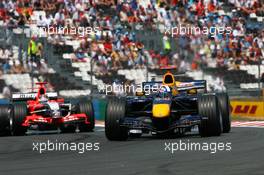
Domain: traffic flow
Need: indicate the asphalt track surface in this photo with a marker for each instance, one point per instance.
(146, 155)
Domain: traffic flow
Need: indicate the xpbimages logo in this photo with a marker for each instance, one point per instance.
(72, 31)
(212, 147)
(132, 89)
(190, 30)
(51, 146)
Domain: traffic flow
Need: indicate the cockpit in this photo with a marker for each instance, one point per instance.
(168, 79)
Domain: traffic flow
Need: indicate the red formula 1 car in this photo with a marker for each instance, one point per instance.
(45, 110)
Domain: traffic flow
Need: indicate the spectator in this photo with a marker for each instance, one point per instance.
(39, 53)
(60, 18)
(114, 48)
(32, 49)
(42, 22)
(6, 92)
(6, 67)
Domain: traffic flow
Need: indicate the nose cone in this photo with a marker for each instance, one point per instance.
(160, 110)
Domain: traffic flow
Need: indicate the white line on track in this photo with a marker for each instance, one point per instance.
(252, 124)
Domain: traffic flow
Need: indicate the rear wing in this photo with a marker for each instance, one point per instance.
(194, 84)
(181, 86)
(32, 96)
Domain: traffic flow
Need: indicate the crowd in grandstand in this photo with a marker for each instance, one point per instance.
(113, 47)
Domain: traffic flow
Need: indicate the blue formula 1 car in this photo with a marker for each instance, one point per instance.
(175, 108)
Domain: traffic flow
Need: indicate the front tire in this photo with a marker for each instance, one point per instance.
(4, 120)
(115, 112)
(211, 125)
(18, 114)
(87, 108)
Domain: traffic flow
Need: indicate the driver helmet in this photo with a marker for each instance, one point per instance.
(164, 89)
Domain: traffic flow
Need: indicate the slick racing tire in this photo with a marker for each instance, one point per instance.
(18, 114)
(67, 128)
(208, 109)
(224, 106)
(4, 120)
(115, 112)
(86, 108)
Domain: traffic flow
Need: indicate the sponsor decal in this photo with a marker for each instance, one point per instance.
(247, 108)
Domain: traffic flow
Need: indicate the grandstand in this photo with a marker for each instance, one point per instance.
(130, 44)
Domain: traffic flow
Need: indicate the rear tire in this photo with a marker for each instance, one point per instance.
(18, 114)
(208, 108)
(224, 105)
(4, 120)
(87, 108)
(115, 112)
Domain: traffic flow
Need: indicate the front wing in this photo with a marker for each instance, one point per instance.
(144, 123)
(70, 119)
